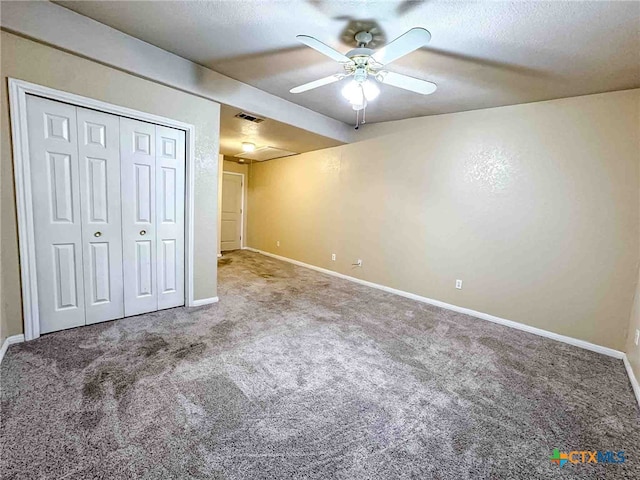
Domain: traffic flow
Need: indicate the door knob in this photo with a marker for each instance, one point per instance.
(143, 232)
(97, 234)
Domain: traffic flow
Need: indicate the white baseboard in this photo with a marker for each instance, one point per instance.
(10, 341)
(204, 301)
(484, 316)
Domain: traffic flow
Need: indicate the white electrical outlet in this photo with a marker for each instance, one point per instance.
(357, 264)
(637, 337)
(459, 284)
(333, 257)
(278, 243)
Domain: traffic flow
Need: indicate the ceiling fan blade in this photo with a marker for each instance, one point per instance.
(317, 83)
(322, 48)
(404, 44)
(406, 82)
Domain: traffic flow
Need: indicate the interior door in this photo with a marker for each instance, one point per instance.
(231, 212)
(138, 185)
(170, 174)
(99, 173)
(53, 151)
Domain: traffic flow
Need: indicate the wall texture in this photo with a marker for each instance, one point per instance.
(633, 350)
(27, 60)
(535, 207)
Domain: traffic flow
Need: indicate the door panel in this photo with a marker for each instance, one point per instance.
(97, 189)
(53, 151)
(60, 184)
(138, 182)
(168, 261)
(143, 193)
(144, 268)
(100, 274)
(170, 177)
(65, 276)
(99, 161)
(230, 236)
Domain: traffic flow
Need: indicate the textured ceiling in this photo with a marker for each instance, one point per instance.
(269, 133)
(482, 54)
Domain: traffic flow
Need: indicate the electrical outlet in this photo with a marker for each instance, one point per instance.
(459, 284)
(333, 257)
(637, 337)
(358, 263)
(278, 243)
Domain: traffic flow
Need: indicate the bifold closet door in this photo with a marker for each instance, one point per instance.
(138, 183)
(153, 176)
(108, 202)
(99, 173)
(75, 171)
(170, 180)
(55, 193)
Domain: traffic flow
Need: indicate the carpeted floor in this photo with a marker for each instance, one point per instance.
(295, 374)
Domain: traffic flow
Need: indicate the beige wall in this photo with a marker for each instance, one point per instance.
(633, 351)
(535, 207)
(37, 63)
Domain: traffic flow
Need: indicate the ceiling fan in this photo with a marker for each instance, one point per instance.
(367, 67)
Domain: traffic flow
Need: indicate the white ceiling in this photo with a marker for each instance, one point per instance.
(482, 54)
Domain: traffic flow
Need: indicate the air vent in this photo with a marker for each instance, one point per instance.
(249, 117)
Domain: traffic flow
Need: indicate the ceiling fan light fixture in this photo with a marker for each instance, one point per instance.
(248, 146)
(353, 93)
(371, 90)
(359, 93)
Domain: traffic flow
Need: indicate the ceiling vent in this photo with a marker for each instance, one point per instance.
(249, 117)
(265, 153)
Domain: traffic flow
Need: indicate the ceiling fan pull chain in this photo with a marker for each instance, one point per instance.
(364, 105)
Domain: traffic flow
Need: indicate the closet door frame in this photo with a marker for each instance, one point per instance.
(18, 91)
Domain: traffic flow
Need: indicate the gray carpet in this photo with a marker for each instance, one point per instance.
(295, 374)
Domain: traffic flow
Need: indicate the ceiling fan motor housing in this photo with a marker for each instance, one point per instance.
(360, 52)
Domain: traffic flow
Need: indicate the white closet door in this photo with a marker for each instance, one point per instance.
(170, 172)
(99, 169)
(53, 151)
(138, 185)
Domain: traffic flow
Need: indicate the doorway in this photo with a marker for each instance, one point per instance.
(232, 211)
